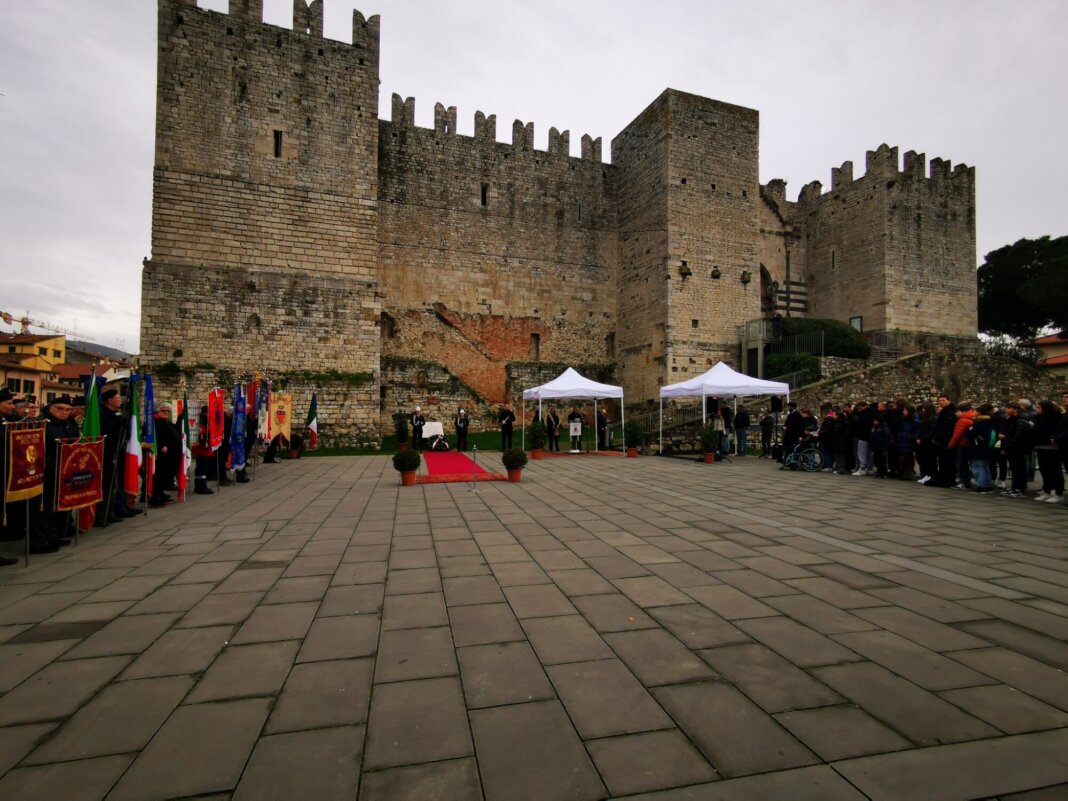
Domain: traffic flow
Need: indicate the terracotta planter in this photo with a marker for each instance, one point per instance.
(535, 454)
(709, 458)
(632, 453)
(515, 475)
(408, 478)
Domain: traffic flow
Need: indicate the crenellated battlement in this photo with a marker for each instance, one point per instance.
(403, 115)
(307, 19)
(883, 164)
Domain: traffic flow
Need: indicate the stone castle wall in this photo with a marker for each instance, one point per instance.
(294, 232)
(492, 252)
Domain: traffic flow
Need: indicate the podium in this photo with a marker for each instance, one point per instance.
(575, 429)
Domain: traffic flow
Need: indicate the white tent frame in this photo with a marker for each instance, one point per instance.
(705, 385)
(580, 388)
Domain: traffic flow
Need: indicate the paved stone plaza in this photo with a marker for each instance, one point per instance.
(608, 627)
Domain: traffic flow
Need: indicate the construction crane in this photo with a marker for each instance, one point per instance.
(25, 322)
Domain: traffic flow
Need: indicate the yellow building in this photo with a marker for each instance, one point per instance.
(27, 361)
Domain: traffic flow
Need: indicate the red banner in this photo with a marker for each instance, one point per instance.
(80, 474)
(215, 418)
(25, 463)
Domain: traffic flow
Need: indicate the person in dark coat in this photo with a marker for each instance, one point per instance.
(168, 456)
(1015, 440)
(904, 439)
(418, 421)
(48, 527)
(552, 428)
(842, 442)
(114, 426)
(462, 423)
(1047, 421)
(792, 429)
(506, 419)
(945, 422)
(742, 421)
(767, 426)
(13, 530)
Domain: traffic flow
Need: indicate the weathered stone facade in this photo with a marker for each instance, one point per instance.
(295, 232)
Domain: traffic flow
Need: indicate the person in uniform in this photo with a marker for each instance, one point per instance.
(552, 428)
(26, 407)
(48, 526)
(462, 424)
(14, 528)
(114, 427)
(168, 456)
(418, 421)
(506, 418)
(602, 429)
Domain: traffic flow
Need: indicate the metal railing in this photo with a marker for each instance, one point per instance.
(676, 415)
(808, 342)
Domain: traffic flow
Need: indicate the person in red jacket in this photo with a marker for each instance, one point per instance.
(958, 442)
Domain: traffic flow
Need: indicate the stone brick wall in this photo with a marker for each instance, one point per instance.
(493, 252)
(924, 376)
(894, 247)
(713, 223)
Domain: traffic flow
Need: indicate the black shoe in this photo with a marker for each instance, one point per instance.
(100, 523)
(127, 513)
(270, 461)
(243, 479)
(62, 542)
(45, 547)
(5, 562)
(203, 491)
(158, 504)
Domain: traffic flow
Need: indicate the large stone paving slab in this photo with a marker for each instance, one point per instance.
(658, 630)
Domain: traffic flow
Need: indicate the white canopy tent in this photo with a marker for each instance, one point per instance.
(719, 382)
(569, 385)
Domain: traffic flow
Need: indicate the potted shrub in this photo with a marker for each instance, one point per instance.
(514, 461)
(537, 438)
(296, 446)
(632, 437)
(406, 462)
(400, 430)
(710, 442)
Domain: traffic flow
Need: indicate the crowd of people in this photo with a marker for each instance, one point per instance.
(981, 448)
(64, 417)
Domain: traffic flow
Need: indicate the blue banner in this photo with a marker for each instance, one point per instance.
(237, 431)
(148, 428)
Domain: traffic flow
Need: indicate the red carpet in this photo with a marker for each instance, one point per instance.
(438, 463)
(453, 467)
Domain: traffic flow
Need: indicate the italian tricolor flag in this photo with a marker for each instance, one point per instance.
(132, 466)
(313, 423)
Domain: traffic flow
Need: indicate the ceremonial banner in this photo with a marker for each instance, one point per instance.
(131, 481)
(263, 412)
(216, 423)
(187, 454)
(281, 415)
(312, 424)
(237, 432)
(148, 435)
(90, 433)
(25, 463)
(81, 469)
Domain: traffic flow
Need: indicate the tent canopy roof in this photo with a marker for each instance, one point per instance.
(571, 384)
(722, 381)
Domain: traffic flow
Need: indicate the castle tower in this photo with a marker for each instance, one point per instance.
(264, 214)
(688, 194)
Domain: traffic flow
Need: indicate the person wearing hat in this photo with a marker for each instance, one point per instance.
(7, 415)
(49, 527)
(462, 425)
(506, 419)
(168, 454)
(418, 421)
(26, 407)
(114, 425)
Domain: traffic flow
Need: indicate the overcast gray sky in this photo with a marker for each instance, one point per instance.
(976, 81)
